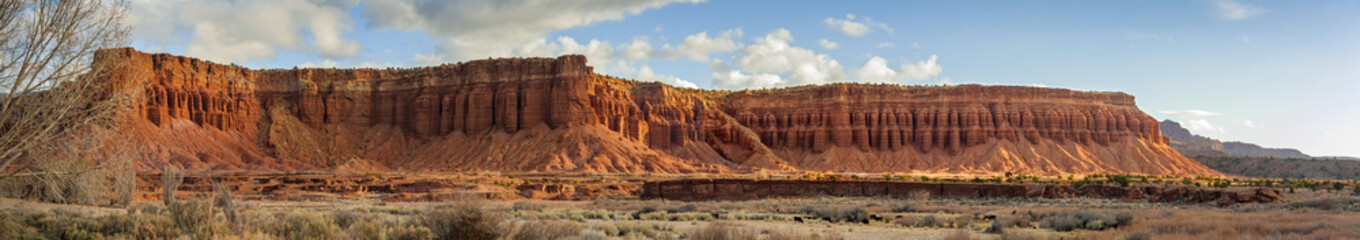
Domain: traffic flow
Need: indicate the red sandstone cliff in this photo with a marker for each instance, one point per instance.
(556, 115)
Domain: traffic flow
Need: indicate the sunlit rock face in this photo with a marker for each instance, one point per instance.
(556, 115)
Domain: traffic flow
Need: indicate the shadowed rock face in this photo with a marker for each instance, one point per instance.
(746, 189)
(556, 115)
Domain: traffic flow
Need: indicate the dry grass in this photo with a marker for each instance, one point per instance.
(655, 219)
(723, 231)
(1213, 224)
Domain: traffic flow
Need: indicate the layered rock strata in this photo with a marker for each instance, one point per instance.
(556, 115)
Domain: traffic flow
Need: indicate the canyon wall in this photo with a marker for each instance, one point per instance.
(556, 115)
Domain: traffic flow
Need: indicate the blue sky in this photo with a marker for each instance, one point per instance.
(1276, 73)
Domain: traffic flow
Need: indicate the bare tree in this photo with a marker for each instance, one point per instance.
(56, 107)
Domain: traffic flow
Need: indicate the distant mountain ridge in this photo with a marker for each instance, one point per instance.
(1251, 160)
(1190, 144)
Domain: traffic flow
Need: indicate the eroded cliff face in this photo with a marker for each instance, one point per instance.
(556, 115)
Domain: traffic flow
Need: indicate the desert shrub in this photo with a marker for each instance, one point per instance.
(146, 207)
(544, 230)
(804, 236)
(1021, 235)
(961, 221)
(14, 230)
(462, 220)
(1328, 203)
(189, 215)
(528, 206)
(67, 180)
(138, 226)
(997, 227)
(1062, 222)
(929, 220)
(855, 214)
(722, 231)
(346, 218)
(377, 230)
(959, 235)
(309, 225)
(1085, 219)
(591, 234)
(1137, 236)
(65, 226)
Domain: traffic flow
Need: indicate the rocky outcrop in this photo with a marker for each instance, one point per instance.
(748, 189)
(1190, 144)
(556, 115)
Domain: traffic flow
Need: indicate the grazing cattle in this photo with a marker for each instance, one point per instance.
(989, 217)
(798, 219)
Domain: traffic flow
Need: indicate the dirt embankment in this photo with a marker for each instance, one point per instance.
(746, 189)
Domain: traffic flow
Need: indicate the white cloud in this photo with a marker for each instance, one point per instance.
(1190, 112)
(855, 28)
(480, 29)
(877, 71)
(1248, 123)
(639, 49)
(772, 54)
(885, 45)
(828, 44)
(724, 77)
(646, 74)
(245, 30)
(1202, 125)
(324, 64)
(1235, 11)
(699, 46)
(915, 45)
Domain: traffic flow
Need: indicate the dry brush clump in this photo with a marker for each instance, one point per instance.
(463, 219)
(723, 231)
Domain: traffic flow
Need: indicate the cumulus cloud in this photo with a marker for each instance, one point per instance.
(1235, 11)
(1248, 123)
(699, 46)
(1190, 112)
(828, 44)
(646, 74)
(480, 29)
(724, 77)
(851, 27)
(324, 64)
(1202, 125)
(244, 30)
(772, 54)
(877, 71)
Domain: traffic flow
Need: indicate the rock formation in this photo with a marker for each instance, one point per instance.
(1190, 144)
(747, 189)
(556, 115)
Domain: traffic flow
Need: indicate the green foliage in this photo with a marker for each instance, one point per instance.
(1122, 180)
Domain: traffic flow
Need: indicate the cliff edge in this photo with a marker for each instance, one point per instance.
(556, 115)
